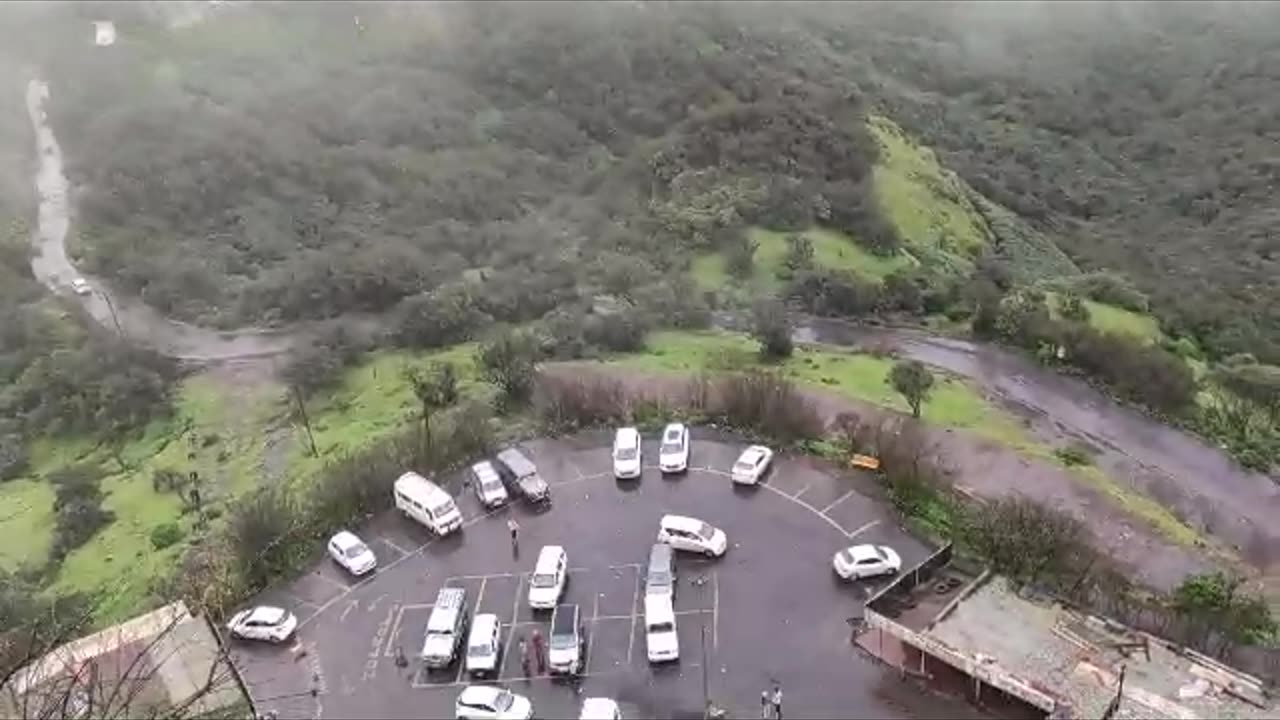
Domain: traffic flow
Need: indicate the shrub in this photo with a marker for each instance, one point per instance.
(570, 403)
(1109, 288)
(764, 403)
(1074, 455)
(1027, 541)
(13, 456)
(78, 507)
(772, 328)
(507, 360)
(165, 535)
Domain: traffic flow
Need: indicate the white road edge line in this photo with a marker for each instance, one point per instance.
(595, 615)
(863, 529)
(838, 500)
(715, 609)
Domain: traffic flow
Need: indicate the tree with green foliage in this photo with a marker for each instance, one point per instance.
(912, 380)
(740, 252)
(508, 359)
(772, 328)
(435, 386)
(1215, 604)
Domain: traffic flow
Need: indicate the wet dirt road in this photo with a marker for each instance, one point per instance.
(129, 316)
(1198, 482)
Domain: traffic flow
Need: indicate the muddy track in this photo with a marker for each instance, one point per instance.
(1198, 482)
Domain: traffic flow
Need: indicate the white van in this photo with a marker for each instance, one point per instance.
(660, 629)
(626, 454)
(426, 502)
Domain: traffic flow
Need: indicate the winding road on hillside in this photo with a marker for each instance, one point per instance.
(1198, 482)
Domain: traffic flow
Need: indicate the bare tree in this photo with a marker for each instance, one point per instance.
(121, 672)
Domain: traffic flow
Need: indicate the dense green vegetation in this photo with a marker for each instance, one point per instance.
(507, 184)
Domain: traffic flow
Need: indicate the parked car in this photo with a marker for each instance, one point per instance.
(488, 485)
(427, 503)
(486, 702)
(567, 654)
(520, 472)
(352, 554)
(662, 643)
(446, 628)
(673, 454)
(692, 535)
(550, 573)
(600, 708)
(80, 286)
(264, 622)
(752, 464)
(484, 646)
(863, 561)
(627, 455)
(660, 573)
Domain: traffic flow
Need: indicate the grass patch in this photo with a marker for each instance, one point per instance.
(1112, 319)
(373, 400)
(1140, 506)
(831, 249)
(26, 522)
(953, 404)
(926, 202)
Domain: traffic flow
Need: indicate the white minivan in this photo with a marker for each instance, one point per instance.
(426, 502)
(626, 454)
(660, 629)
(484, 646)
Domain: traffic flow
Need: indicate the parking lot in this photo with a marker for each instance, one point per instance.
(771, 610)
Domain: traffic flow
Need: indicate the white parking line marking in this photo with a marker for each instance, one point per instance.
(393, 546)
(807, 506)
(631, 637)
(295, 598)
(354, 604)
(863, 529)
(480, 595)
(797, 495)
(394, 636)
(715, 609)
(591, 636)
(511, 631)
(837, 502)
(482, 577)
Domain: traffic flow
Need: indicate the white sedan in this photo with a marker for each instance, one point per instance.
(752, 464)
(485, 702)
(80, 286)
(692, 535)
(673, 454)
(863, 561)
(263, 622)
(351, 553)
(600, 708)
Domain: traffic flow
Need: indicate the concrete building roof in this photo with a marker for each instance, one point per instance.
(1076, 659)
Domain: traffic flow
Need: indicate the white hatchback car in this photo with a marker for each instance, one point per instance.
(271, 624)
(752, 464)
(673, 454)
(351, 553)
(485, 702)
(863, 561)
(627, 454)
(692, 535)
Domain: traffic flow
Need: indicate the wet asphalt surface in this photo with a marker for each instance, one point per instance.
(771, 609)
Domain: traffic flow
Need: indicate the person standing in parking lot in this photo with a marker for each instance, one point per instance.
(538, 651)
(524, 657)
(777, 702)
(514, 527)
(766, 707)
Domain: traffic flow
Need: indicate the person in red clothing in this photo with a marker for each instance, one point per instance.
(538, 652)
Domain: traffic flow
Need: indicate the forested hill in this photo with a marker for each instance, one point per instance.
(1144, 134)
(290, 161)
